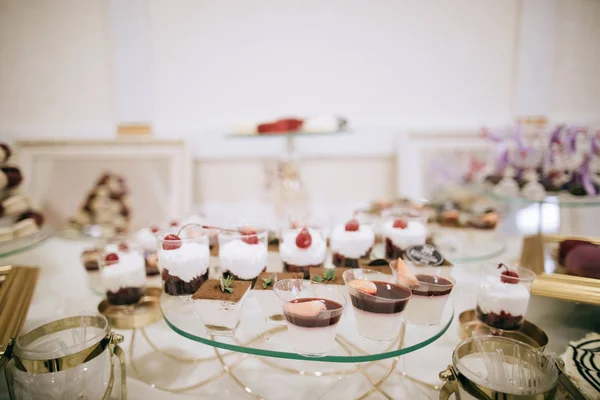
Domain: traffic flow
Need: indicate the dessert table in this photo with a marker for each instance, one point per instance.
(170, 361)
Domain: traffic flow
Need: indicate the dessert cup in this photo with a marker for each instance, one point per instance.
(302, 248)
(378, 312)
(122, 273)
(352, 242)
(220, 311)
(243, 253)
(269, 304)
(428, 299)
(146, 238)
(312, 312)
(402, 228)
(504, 294)
(183, 261)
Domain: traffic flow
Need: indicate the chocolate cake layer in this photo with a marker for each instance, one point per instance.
(380, 303)
(319, 321)
(305, 269)
(392, 252)
(176, 287)
(125, 296)
(428, 286)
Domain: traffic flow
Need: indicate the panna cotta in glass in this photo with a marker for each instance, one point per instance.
(504, 295)
(312, 312)
(218, 303)
(301, 249)
(403, 228)
(378, 303)
(122, 273)
(243, 253)
(351, 242)
(269, 304)
(183, 259)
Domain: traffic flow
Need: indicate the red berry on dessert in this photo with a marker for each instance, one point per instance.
(400, 224)
(174, 224)
(154, 229)
(303, 240)
(171, 242)
(352, 226)
(364, 286)
(249, 236)
(111, 258)
(123, 246)
(508, 276)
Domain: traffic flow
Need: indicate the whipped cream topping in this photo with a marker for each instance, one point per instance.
(145, 239)
(414, 234)
(244, 260)
(130, 271)
(292, 254)
(187, 262)
(352, 244)
(496, 296)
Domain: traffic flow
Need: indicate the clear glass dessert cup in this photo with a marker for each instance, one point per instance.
(429, 299)
(312, 312)
(243, 252)
(122, 272)
(504, 294)
(403, 227)
(378, 315)
(183, 259)
(302, 248)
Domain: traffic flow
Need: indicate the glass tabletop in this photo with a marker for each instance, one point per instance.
(255, 336)
(22, 244)
(566, 200)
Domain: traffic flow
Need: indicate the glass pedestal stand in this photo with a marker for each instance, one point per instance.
(259, 362)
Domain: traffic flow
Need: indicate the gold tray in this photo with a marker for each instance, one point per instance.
(143, 313)
(550, 282)
(529, 333)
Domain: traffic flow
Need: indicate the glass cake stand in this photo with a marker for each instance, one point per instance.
(25, 243)
(467, 245)
(364, 366)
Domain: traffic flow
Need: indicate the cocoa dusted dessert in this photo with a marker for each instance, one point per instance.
(328, 276)
(302, 249)
(219, 304)
(350, 243)
(10, 177)
(267, 300)
(184, 263)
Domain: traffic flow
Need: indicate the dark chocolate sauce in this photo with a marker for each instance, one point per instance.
(331, 318)
(429, 286)
(380, 302)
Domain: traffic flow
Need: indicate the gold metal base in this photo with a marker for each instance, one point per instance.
(529, 333)
(141, 314)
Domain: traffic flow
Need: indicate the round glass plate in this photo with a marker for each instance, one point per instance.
(22, 244)
(566, 200)
(255, 336)
(466, 245)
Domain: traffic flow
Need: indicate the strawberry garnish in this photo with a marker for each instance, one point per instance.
(171, 242)
(363, 285)
(154, 229)
(400, 224)
(352, 226)
(508, 276)
(303, 240)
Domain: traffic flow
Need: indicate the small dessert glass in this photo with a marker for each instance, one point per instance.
(183, 260)
(504, 294)
(428, 299)
(378, 316)
(403, 227)
(352, 241)
(122, 272)
(312, 332)
(243, 252)
(302, 248)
